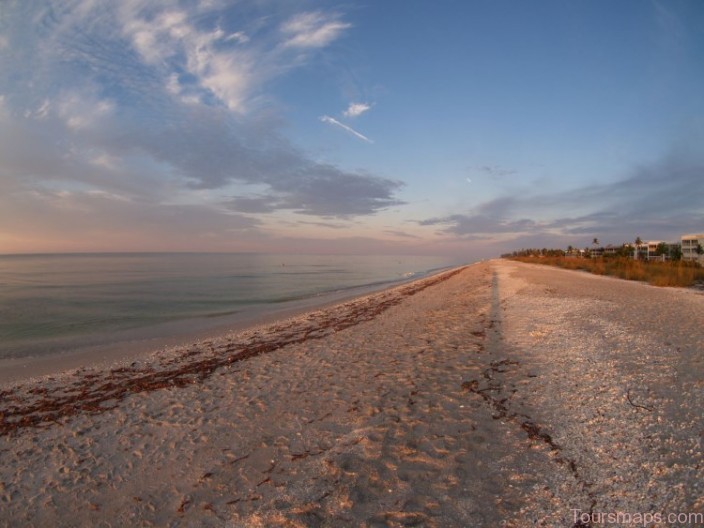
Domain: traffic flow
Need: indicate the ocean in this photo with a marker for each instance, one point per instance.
(53, 304)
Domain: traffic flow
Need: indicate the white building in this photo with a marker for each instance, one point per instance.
(640, 251)
(653, 248)
(690, 245)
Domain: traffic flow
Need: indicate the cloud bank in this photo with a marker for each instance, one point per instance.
(159, 111)
(660, 200)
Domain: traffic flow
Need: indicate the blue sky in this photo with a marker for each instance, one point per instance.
(458, 128)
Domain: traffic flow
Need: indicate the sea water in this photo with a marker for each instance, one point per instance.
(53, 303)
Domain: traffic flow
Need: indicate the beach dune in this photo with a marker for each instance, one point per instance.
(494, 393)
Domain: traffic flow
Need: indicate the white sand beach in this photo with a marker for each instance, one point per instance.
(495, 393)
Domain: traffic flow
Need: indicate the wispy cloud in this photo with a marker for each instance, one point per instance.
(327, 225)
(401, 234)
(211, 61)
(356, 109)
(312, 30)
(239, 36)
(207, 51)
(494, 171)
(333, 121)
(473, 224)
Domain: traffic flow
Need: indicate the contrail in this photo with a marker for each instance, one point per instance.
(333, 121)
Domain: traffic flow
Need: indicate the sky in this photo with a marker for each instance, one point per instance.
(461, 128)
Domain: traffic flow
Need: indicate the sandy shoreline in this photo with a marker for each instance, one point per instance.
(493, 393)
(69, 391)
(135, 345)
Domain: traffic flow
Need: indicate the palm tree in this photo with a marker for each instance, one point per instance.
(595, 243)
(635, 251)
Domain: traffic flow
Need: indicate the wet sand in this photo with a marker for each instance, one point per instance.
(496, 393)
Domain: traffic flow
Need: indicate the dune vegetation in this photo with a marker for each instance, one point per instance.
(668, 273)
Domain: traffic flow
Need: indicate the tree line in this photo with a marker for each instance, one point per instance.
(670, 251)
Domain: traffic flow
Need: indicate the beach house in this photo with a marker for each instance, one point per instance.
(693, 247)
